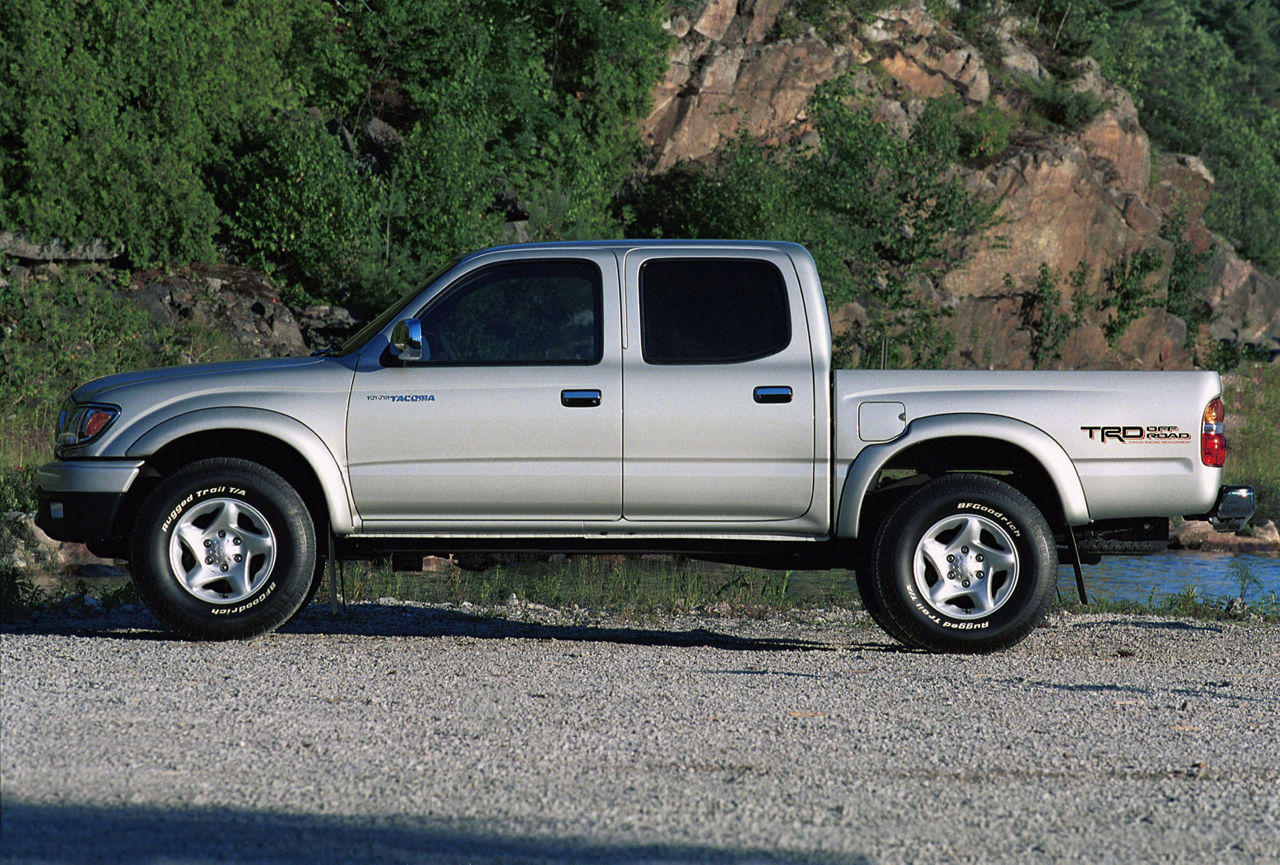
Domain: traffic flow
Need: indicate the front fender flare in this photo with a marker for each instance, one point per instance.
(288, 430)
(1042, 447)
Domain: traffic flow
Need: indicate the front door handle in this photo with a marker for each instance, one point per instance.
(580, 398)
(773, 394)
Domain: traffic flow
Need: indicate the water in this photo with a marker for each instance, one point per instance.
(1146, 578)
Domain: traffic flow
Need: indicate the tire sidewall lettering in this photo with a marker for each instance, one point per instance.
(261, 596)
(983, 510)
(225, 490)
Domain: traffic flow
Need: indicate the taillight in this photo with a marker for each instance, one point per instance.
(1213, 444)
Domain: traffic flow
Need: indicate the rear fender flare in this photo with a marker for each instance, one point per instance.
(1042, 447)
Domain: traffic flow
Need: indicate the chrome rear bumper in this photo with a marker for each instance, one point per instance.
(1232, 511)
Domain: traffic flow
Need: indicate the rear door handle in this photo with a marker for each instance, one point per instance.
(768, 394)
(580, 398)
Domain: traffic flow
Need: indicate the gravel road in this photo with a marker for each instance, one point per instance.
(408, 733)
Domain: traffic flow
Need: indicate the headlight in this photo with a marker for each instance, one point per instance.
(78, 424)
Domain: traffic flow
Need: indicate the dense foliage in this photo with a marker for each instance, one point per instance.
(112, 115)
(173, 126)
(349, 148)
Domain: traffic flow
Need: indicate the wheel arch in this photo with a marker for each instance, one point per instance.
(268, 438)
(1040, 468)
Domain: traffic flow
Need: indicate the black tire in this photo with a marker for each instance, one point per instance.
(871, 602)
(322, 569)
(965, 564)
(250, 524)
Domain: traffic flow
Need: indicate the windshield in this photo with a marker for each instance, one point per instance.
(364, 334)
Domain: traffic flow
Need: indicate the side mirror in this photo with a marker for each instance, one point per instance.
(406, 340)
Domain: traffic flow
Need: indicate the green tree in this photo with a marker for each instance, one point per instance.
(504, 108)
(113, 112)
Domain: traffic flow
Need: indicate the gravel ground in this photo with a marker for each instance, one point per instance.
(410, 733)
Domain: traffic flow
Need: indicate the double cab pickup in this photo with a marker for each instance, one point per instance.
(629, 397)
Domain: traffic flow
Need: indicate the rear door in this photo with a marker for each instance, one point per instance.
(719, 384)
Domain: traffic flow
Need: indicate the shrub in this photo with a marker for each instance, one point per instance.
(1127, 291)
(1188, 281)
(985, 132)
(19, 597)
(1042, 315)
(113, 112)
(1061, 105)
(305, 207)
(56, 333)
(61, 332)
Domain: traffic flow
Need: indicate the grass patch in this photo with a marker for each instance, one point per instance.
(631, 587)
(1252, 398)
(1191, 603)
(621, 585)
(20, 596)
(650, 586)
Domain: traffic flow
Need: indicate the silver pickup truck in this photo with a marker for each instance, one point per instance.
(629, 397)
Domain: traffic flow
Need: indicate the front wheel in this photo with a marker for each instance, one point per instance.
(966, 563)
(223, 549)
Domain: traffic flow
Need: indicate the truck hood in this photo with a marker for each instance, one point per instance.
(311, 391)
(252, 375)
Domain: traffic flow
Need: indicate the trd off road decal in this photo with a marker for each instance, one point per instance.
(1130, 434)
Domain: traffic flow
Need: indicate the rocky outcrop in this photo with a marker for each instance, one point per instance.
(1062, 201)
(1245, 301)
(713, 91)
(322, 324)
(234, 307)
(27, 549)
(1098, 196)
(237, 302)
(1261, 539)
(17, 244)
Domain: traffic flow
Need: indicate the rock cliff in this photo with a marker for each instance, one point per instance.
(1092, 199)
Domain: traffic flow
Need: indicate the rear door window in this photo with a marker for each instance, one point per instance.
(712, 310)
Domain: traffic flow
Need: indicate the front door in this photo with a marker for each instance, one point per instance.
(513, 413)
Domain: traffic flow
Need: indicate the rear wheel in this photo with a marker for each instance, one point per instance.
(964, 564)
(872, 603)
(223, 549)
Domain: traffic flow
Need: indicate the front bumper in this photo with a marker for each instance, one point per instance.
(1232, 511)
(79, 500)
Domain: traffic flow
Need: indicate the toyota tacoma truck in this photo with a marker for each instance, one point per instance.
(627, 397)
